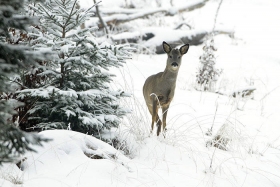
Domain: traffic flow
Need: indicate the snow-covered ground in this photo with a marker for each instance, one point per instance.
(250, 59)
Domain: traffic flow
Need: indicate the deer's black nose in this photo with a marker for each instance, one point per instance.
(174, 64)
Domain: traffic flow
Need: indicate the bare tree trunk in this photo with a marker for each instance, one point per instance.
(104, 25)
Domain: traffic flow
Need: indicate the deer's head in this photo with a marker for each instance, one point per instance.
(174, 56)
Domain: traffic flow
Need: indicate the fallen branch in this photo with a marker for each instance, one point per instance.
(118, 15)
(182, 24)
(152, 37)
(117, 19)
(192, 6)
(245, 92)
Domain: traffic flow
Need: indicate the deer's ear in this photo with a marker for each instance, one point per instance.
(166, 47)
(184, 49)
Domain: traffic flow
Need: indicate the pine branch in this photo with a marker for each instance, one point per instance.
(68, 19)
(19, 84)
(47, 12)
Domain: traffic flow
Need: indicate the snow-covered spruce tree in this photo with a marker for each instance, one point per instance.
(76, 92)
(13, 59)
(208, 74)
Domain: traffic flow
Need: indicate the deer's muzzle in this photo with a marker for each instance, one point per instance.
(174, 64)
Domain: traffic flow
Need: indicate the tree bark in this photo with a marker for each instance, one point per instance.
(104, 25)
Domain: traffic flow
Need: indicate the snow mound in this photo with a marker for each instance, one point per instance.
(69, 154)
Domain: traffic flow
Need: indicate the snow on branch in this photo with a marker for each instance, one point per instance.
(117, 16)
(153, 36)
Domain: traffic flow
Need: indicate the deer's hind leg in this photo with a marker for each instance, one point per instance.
(151, 110)
(164, 112)
(158, 125)
(155, 115)
(155, 118)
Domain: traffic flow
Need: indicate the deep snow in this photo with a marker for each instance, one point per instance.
(251, 58)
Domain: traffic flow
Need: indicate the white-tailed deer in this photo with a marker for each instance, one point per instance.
(159, 89)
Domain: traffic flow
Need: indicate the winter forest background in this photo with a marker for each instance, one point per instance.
(72, 111)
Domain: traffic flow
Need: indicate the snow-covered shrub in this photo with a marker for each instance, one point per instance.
(14, 58)
(228, 136)
(73, 91)
(10, 172)
(208, 74)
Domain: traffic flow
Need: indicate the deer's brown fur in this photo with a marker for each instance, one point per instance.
(158, 89)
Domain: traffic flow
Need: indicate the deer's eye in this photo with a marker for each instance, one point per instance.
(170, 56)
(179, 57)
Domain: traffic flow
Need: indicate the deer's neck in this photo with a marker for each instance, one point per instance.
(170, 75)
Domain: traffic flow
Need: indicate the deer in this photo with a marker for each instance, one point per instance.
(159, 89)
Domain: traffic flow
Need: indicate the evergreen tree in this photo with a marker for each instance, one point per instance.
(208, 74)
(13, 58)
(74, 90)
